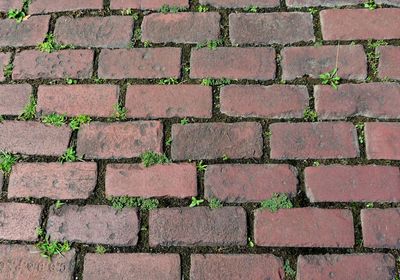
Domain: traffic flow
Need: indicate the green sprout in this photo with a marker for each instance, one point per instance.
(330, 78)
(7, 161)
(151, 158)
(77, 121)
(277, 201)
(196, 202)
(54, 119)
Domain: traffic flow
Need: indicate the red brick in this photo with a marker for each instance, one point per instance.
(6, 5)
(200, 226)
(168, 101)
(119, 140)
(145, 63)
(50, 6)
(33, 138)
(100, 32)
(313, 140)
(240, 183)
(180, 27)
(138, 266)
(94, 224)
(275, 101)
(241, 3)
(148, 4)
(381, 228)
(30, 32)
(13, 98)
(389, 2)
(389, 57)
(92, 100)
(215, 140)
(19, 221)
(304, 227)
(169, 180)
(351, 266)
(54, 180)
(313, 61)
(360, 24)
(270, 28)
(326, 3)
(233, 63)
(24, 262)
(4, 61)
(31, 64)
(353, 183)
(373, 100)
(235, 267)
(382, 140)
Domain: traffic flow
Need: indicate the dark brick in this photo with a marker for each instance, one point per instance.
(168, 101)
(381, 228)
(74, 100)
(270, 28)
(100, 32)
(50, 6)
(4, 61)
(373, 100)
(304, 227)
(352, 183)
(94, 224)
(389, 56)
(31, 64)
(53, 180)
(382, 140)
(313, 140)
(138, 266)
(33, 138)
(275, 101)
(350, 266)
(143, 63)
(327, 3)
(241, 3)
(169, 180)
(235, 267)
(30, 32)
(18, 221)
(214, 140)
(6, 5)
(148, 4)
(200, 226)
(233, 63)
(13, 98)
(180, 27)
(119, 140)
(313, 61)
(248, 182)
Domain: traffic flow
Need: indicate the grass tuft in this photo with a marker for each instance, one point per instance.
(29, 112)
(276, 202)
(77, 121)
(54, 119)
(50, 45)
(7, 161)
(215, 203)
(69, 156)
(330, 78)
(150, 158)
(121, 202)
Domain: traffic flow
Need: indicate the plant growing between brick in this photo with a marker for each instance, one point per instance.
(58, 204)
(310, 115)
(370, 4)
(119, 112)
(215, 203)
(373, 56)
(215, 82)
(19, 15)
(70, 81)
(121, 202)
(196, 202)
(201, 167)
(151, 158)
(202, 9)
(29, 112)
(212, 44)
(184, 121)
(50, 45)
(171, 9)
(48, 249)
(54, 119)
(70, 156)
(276, 202)
(361, 133)
(77, 121)
(330, 78)
(168, 81)
(7, 70)
(251, 9)
(7, 161)
(289, 271)
(100, 250)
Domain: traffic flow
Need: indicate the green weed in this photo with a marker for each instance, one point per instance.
(289, 271)
(313, 11)
(29, 112)
(121, 202)
(119, 112)
(361, 133)
(100, 250)
(215, 82)
(7, 70)
(70, 81)
(171, 9)
(276, 202)
(7, 160)
(373, 55)
(184, 121)
(48, 249)
(310, 115)
(330, 78)
(168, 142)
(370, 4)
(77, 121)
(58, 204)
(151, 158)
(251, 9)
(69, 156)
(196, 202)
(50, 45)
(54, 119)
(215, 203)
(16, 14)
(202, 9)
(212, 44)
(201, 167)
(250, 242)
(168, 81)
(147, 44)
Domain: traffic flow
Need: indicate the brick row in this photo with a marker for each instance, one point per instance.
(148, 4)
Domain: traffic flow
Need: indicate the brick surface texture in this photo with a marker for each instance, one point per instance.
(148, 4)
(13, 98)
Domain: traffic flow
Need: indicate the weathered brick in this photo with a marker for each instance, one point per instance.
(389, 57)
(381, 228)
(31, 64)
(374, 100)
(24, 262)
(74, 100)
(200, 226)
(270, 28)
(13, 98)
(233, 63)
(241, 3)
(145, 63)
(75, 180)
(168, 101)
(235, 267)
(30, 32)
(94, 224)
(180, 27)
(18, 221)
(4, 60)
(169, 180)
(148, 4)
(119, 140)
(248, 182)
(313, 61)
(352, 183)
(360, 24)
(313, 140)
(326, 3)
(382, 140)
(6, 5)
(33, 138)
(275, 101)
(138, 266)
(214, 140)
(350, 266)
(389, 2)
(100, 32)
(304, 227)
(50, 6)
